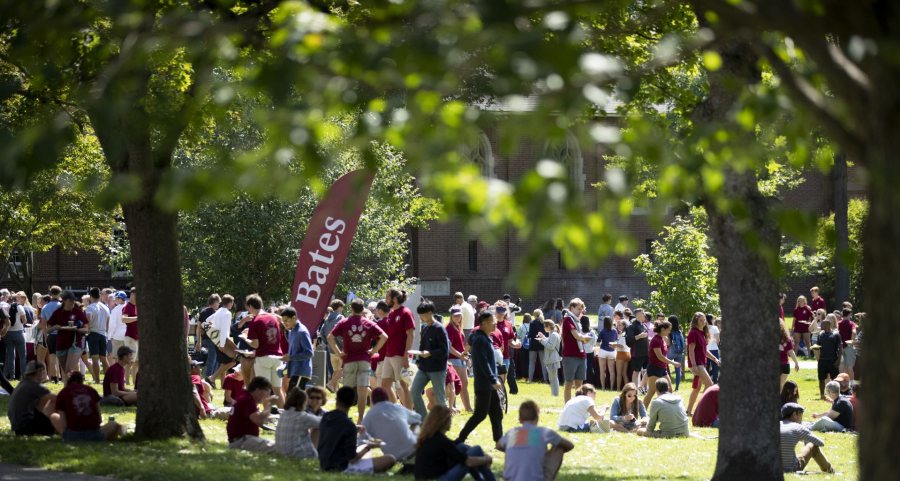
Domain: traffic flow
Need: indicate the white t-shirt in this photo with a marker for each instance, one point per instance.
(116, 328)
(575, 413)
(98, 316)
(17, 319)
(221, 322)
(712, 345)
(468, 313)
(620, 307)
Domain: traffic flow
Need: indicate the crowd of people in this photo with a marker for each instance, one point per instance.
(404, 395)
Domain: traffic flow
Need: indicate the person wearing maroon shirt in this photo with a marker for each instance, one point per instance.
(785, 350)
(71, 325)
(847, 330)
(264, 336)
(233, 387)
(816, 301)
(707, 414)
(781, 298)
(459, 354)
(130, 319)
(78, 406)
(400, 332)
(659, 362)
(246, 418)
(357, 333)
(697, 356)
(201, 389)
(802, 316)
(509, 339)
(381, 318)
(573, 357)
(114, 392)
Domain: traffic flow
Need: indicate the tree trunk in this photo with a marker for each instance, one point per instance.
(879, 416)
(749, 441)
(841, 230)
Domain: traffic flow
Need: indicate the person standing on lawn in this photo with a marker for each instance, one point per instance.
(573, 355)
(358, 334)
(659, 361)
(793, 432)
(333, 365)
(802, 320)
(115, 329)
(829, 353)
(46, 312)
(637, 339)
(434, 350)
(487, 382)
(467, 312)
(401, 331)
(458, 353)
(130, 319)
(528, 457)
(510, 342)
(218, 330)
(71, 326)
(816, 301)
(300, 350)
(535, 348)
(246, 418)
(264, 336)
(697, 356)
(203, 340)
(338, 441)
(785, 351)
(98, 318)
(552, 360)
(847, 330)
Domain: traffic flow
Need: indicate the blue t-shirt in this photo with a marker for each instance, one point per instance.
(607, 336)
(525, 448)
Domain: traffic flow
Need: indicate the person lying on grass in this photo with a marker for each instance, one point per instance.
(528, 457)
(78, 408)
(792, 432)
(246, 418)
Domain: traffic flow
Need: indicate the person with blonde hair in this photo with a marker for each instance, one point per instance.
(551, 357)
(573, 356)
(437, 457)
(803, 315)
(536, 348)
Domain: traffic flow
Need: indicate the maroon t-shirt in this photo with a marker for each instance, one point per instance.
(495, 336)
(457, 339)
(571, 347)
(508, 333)
(239, 422)
(658, 342)
(201, 390)
(697, 338)
(845, 329)
(818, 303)
(266, 329)
(453, 378)
(79, 403)
(115, 374)
(231, 383)
(131, 329)
(66, 338)
(708, 408)
(399, 321)
(802, 315)
(358, 334)
(783, 350)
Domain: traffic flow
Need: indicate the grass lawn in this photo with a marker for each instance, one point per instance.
(596, 456)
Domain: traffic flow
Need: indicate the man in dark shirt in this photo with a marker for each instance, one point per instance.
(434, 347)
(638, 340)
(829, 354)
(31, 406)
(337, 441)
(839, 417)
(487, 382)
(536, 349)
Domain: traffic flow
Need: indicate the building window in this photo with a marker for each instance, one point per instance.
(568, 153)
(481, 154)
(560, 265)
(16, 261)
(473, 255)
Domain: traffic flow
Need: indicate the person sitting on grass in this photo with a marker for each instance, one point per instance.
(201, 391)
(78, 406)
(437, 457)
(668, 412)
(790, 392)
(580, 415)
(527, 455)
(792, 432)
(31, 405)
(316, 398)
(246, 418)
(114, 392)
(840, 417)
(297, 428)
(233, 386)
(338, 442)
(707, 413)
(627, 412)
(393, 424)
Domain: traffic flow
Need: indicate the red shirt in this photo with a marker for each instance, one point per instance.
(231, 383)
(658, 342)
(508, 334)
(783, 349)
(239, 423)
(707, 408)
(399, 321)
(845, 329)
(266, 329)
(781, 312)
(80, 404)
(571, 347)
(818, 303)
(457, 339)
(453, 378)
(495, 336)
(802, 315)
(201, 390)
(115, 374)
(358, 334)
(66, 338)
(697, 338)
(131, 329)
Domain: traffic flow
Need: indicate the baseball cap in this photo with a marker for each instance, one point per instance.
(33, 367)
(68, 296)
(455, 311)
(623, 298)
(196, 363)
(507, 296)
(122, 295)
(789, 409)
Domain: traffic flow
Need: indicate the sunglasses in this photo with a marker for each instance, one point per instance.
(499, 309)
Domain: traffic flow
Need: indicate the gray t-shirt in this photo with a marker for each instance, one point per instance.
(23, 402)
(98, 316)
(525, 448)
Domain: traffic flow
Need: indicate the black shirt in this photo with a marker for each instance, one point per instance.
(436, 456)
(337, 441)
(434, 340)
(639, 347)
(842, 405)
(536, 327)
(829, 345)
(202, 317)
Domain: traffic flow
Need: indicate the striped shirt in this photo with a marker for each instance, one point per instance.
(791, 434)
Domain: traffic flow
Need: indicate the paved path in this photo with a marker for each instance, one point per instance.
(9, 472)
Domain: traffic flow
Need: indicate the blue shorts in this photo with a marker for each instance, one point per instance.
(506, 363)
(457, 362)
(72, 350)
(96, 344)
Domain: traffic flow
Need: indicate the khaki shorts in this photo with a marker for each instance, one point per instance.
(356, 373)
(133, 344)
(115, 348)
(267, 367)
(379, 372)
(392, 368)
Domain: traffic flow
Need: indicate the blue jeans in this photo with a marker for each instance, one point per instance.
(422, 378)
(713, 367)
(211, 363)
(679, 371)
(15, 350)
(458, 472)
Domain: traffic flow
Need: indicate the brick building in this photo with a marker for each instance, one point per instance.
(446, 260)
(69, 270)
